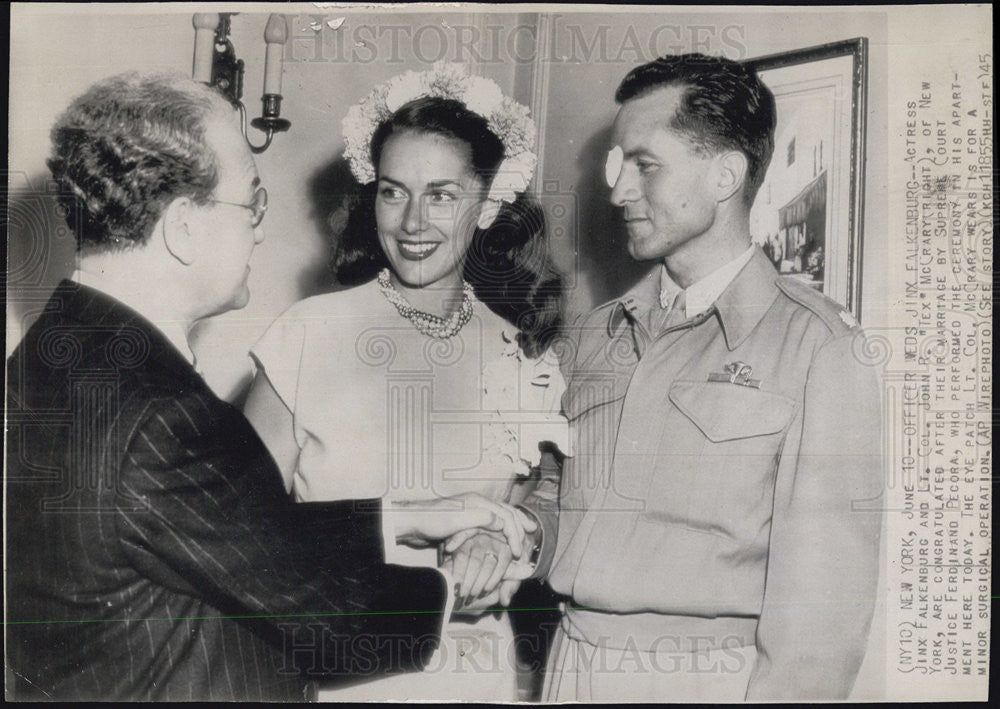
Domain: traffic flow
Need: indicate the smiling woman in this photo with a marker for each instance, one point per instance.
(423, 219)
(440, 351)
(426, 204)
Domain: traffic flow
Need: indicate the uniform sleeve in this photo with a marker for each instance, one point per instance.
(200, 513)
(543, 505)
(279, 354)
(543, 502)
(822, 564)
(544, 443)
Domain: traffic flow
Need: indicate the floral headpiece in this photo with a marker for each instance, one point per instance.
(506, 118)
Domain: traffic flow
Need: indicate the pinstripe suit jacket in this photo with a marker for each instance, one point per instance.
(152, 552)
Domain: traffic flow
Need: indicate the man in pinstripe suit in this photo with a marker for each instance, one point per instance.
(152, 552)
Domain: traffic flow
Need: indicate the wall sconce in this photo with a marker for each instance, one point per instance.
(215, 64)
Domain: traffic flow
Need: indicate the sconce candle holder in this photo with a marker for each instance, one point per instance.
(216, 64)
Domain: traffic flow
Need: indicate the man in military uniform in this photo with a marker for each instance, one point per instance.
(713, 536)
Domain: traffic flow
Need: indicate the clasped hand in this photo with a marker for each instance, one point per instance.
(486, 542)
(486, 567)
(421, 523)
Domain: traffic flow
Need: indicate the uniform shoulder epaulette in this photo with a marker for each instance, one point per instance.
(835, 316)
(605, 306)
(579, 334)
(597, 315)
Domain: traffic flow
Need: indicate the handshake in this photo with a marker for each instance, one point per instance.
(486, 547)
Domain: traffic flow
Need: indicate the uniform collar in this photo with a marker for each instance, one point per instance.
(700, 296)
(741, 305)
(747, 298)
(639, 298)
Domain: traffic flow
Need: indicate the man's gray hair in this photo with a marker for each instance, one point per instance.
(128, 147)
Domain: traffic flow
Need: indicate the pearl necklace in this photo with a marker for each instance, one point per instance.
(426, 323)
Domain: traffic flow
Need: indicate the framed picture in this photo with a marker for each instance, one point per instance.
(808, 214)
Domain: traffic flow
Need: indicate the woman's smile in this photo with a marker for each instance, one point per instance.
(426, 207)
(416, 250)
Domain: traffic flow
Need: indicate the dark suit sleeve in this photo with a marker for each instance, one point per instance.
(202, 511)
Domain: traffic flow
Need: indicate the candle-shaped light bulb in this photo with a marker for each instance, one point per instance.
(275, 34)
(204, 45)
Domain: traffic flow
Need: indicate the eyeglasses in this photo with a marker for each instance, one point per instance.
(258, 206)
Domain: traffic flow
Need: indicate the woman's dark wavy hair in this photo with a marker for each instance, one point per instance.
(507, 264)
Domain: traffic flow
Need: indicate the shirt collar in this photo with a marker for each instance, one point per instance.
(745, 298)
(173, 330)
(701, 295)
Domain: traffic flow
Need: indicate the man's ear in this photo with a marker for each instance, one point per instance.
(732, 167)
(176, 229)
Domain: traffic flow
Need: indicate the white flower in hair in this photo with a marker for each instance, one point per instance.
(358, 130)
(447, 80)
(403, 89)
(482, 96)
(488, 213)
(514, 126)
(507, 119)
(513, 177)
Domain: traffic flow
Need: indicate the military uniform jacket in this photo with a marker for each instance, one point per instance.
(726, 472)
(151, 549)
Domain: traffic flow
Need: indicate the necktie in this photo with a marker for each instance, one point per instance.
(677, 311)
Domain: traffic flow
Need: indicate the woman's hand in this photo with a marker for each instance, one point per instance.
(501, 595)
(418, 523)
(486, 568)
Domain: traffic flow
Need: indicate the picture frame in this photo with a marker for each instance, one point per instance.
(809, 213)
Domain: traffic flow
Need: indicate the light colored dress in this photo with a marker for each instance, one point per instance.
(381, 410)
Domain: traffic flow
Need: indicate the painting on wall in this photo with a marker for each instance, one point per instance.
(808, 214)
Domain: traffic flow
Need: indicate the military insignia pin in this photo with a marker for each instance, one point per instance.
(736, 373)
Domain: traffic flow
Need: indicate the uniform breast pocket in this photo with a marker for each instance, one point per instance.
(719, 456)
